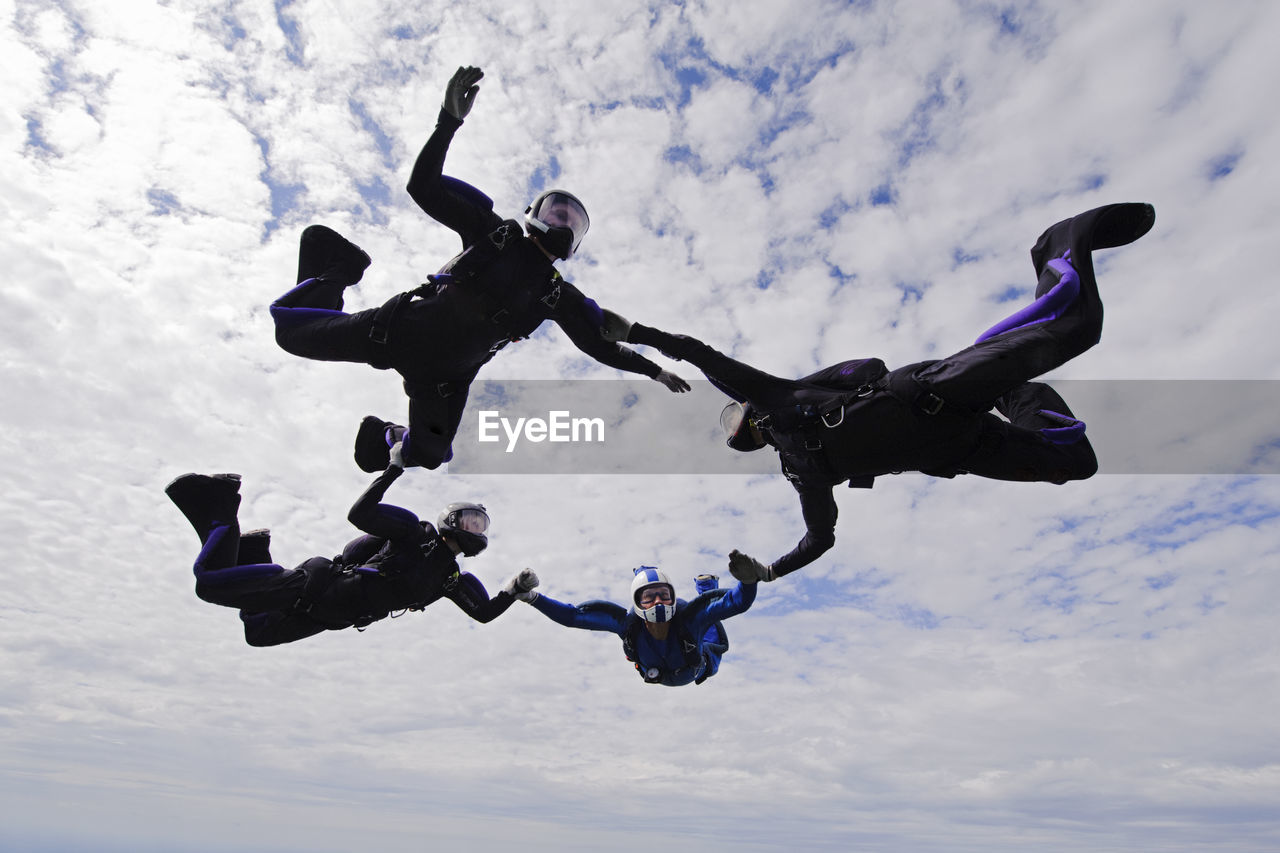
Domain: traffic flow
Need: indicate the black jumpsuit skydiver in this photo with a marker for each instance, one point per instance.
(401, 563)
(857, 420)
(438, 338)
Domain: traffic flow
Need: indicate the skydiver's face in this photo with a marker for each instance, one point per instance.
(562, 214)
(655, 595)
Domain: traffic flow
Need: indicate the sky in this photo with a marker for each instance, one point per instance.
(976, 665)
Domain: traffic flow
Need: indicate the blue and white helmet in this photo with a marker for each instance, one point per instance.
(658, 604)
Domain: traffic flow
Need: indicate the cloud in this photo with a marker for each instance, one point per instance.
(975, 665)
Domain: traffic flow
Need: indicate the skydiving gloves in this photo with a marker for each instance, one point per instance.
(749, 569)
(521, 586)
(460, 94)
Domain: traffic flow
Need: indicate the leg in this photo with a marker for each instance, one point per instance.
(428, 440)
(1042, 442)
(211, 503)
(309, 318)
(1065, 320)
(275, 628)
(742, 382)
(715, 642)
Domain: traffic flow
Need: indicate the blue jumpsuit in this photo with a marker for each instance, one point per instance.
(693, 646)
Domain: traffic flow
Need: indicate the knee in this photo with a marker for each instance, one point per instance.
(206, 591)
(258, 629)
(1080, 464)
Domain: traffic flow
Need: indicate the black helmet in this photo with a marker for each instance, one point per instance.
(558, 220)
(467, 523)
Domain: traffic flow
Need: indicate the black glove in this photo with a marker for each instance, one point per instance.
(461, 91)
(673, 382)
(749, 569)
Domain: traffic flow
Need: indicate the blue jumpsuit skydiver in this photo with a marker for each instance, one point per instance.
(694, 642)
(857, 420)
(499, 289)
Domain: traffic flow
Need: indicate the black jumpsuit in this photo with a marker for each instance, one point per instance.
(401, 563)
(934, 416)
(438, 339)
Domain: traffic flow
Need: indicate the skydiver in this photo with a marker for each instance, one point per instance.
(400, 564)
(670, 641)
(857, 420)
(499, 289)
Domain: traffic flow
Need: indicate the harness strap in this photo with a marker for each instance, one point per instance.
(904, 386)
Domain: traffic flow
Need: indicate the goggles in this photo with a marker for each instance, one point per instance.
(651, 595)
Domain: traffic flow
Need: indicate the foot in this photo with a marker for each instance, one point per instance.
(1123, 224)
(206, 499)
(372, 452)
(706, 583)
(255, 548)
(325, 254)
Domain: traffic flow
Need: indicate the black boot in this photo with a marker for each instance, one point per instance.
(206, 500)
(324, 253)
(255, 547)
(373, 454)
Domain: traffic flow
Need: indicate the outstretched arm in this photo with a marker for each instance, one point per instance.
(439, 197)
(385, 520)
(716, 605)
(470, 595)
(586, 325)
(818, 506)
(590, 615)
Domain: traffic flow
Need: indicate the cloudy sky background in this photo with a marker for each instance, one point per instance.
(976, 666)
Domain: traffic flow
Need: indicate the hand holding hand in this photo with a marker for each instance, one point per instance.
(673, 382)
(521, 586)
(396, 456)
(748, 569)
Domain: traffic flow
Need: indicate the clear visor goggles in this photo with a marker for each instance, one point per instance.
(561, 210)
(651, 595)
(470, 520)
(731, 418)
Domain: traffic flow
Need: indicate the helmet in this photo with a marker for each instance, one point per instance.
(467, 523)
(736, 420)
(661, 610)
(558, 220)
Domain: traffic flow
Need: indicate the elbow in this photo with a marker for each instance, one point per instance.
(823, 541)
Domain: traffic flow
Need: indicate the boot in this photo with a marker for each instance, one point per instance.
(206, 500)
(372, 452)
(325, 254)
(255, 547)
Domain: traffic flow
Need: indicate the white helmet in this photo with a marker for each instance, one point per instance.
(662, 606)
